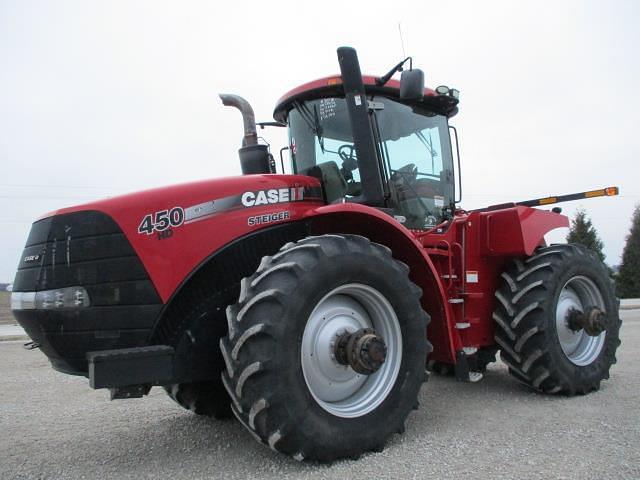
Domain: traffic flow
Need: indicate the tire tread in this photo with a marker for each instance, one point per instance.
(524, 303)
(252, 335)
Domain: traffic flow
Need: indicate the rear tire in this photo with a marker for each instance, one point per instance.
(310, 407)
(531, 330)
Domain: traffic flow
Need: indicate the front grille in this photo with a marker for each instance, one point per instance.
(85, 249)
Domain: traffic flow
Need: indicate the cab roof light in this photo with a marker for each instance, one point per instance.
(605, 192)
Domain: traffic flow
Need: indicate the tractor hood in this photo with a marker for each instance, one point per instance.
(174, 229)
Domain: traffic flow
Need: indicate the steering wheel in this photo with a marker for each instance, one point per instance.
(347, 154)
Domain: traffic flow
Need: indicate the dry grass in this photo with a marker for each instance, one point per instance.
(6, 318)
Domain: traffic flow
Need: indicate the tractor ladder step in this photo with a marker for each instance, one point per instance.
(447, 276)
(469, 350)
(462, 325)
(456, 300)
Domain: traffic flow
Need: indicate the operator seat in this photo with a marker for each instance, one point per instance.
(334, 186)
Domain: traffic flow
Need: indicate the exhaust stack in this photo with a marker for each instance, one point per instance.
(254, 158)
(248, 118)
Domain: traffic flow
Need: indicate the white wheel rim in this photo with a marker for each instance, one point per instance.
(337, 388)
(578, 293)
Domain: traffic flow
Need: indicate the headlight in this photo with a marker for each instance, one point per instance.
(69, 297)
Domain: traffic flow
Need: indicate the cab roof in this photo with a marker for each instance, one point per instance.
(332, 87)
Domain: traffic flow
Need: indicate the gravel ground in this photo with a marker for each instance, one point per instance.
(54, 426)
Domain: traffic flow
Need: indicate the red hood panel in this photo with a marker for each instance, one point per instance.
(201, 217)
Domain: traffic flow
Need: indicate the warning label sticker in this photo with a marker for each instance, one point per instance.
(472, 276)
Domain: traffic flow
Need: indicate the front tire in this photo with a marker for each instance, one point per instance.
(532, 330)
(286, 386)
(206, 397)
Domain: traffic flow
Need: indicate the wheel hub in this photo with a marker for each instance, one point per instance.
(363, 350)
(581, 330)
(351, 350)
(593, 321)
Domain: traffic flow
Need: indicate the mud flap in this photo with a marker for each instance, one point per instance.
(461, 367)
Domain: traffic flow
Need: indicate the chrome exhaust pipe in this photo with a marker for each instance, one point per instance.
(254, 157)
(248, 117)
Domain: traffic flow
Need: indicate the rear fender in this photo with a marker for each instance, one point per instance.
(517, 231)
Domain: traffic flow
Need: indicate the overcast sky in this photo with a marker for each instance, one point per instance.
(102, 98)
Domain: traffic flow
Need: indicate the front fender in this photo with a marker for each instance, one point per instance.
(381, 228)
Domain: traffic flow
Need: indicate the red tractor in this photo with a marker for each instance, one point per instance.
(300, 303)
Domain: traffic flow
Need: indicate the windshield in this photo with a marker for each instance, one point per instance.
(414, 147)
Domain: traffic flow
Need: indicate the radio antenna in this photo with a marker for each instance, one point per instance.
(401, 40)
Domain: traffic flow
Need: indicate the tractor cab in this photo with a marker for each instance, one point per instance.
(412, 147)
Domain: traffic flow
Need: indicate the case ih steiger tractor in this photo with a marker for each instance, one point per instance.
(300, 303)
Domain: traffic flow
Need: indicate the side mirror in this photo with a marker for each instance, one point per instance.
(412, 84)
